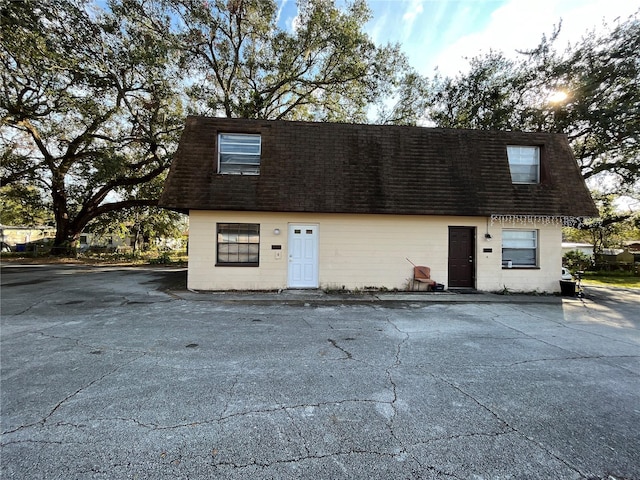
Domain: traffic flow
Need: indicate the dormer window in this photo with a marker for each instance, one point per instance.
(524, 163)
(239, 154)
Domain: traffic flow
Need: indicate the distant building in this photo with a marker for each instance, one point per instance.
(615, 257)
(633, 246)
(585, 248)
(18, 238)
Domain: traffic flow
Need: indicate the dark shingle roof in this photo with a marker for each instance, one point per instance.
(345, 168)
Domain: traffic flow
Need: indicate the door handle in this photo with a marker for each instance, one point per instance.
(470, 259)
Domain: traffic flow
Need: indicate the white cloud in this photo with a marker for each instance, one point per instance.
(412, 12)
(414, 9)
(520, 24)
(280, 9)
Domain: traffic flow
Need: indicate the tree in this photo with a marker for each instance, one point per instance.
(88, 104)
(599, 77)
(244, 65)
(91, 99)
(23, 205)
(610, 230)
(405, 99)
(487, 97)
(145, 225)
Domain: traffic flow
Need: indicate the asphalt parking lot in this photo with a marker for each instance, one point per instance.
(120, 373)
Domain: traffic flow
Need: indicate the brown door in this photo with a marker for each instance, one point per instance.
(461, 257)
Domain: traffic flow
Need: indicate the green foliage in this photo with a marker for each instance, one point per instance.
(146, 225)
(164, 258)
(244, 65)
(92, 99)
(488, 97)
(23, 205)
(89, 104)
(406, 98)
(612, 227)
(576, 261)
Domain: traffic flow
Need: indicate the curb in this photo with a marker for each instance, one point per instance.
(316, 298)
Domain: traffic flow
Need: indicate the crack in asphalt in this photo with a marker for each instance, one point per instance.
(573, 355)
(397, 362)
(559, 323)
(44, 420)
(348, 354)
(508, 426)
(43, 442)
(391, 368)
(298, 431)
(577, 357)
(33, 305)
(95, 348)
(403, 451)
(394, 388)
(236, 380)
(303, 458)
(223, 418)
(332, 455)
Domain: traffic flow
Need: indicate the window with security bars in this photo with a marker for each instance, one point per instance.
(524, 163)
(519, 248)
(239, 154)
(238, 244)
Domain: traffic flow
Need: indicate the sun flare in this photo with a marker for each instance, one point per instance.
(558, 96)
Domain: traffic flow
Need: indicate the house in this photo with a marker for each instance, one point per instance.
(610, 258)
(21, 238)
(278, 204)
(102, 243)
(584, 248)
(633, 246)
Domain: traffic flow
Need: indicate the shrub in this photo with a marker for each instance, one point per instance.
(575, 261)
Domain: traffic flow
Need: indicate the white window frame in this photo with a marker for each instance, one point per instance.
(241, 148)
(524, 163)
(512, 244)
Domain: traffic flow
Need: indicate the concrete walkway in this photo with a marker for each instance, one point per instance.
(120, 373)
(319, 297)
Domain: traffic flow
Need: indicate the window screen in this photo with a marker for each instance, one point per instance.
(520, 247)
(238, 244)
(524, 163)
(239, 154)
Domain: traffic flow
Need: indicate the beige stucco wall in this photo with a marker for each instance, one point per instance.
(358, 251)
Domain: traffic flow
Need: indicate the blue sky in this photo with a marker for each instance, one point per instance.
(440, 33)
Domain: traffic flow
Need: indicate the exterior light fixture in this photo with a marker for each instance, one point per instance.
(276, 231)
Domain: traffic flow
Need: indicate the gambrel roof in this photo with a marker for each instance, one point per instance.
(348, 168)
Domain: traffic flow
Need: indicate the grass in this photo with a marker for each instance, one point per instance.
(611, 279)
(178, 257)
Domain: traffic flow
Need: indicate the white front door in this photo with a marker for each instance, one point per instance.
(303, 256)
